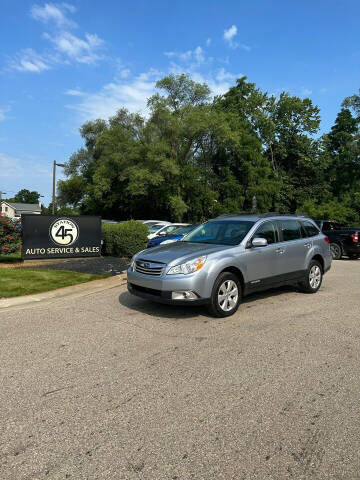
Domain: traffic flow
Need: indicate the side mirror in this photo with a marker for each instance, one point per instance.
(259, 242)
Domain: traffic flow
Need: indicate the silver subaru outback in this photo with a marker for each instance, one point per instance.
(229, 257)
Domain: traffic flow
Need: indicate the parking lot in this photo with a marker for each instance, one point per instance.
(110, 386)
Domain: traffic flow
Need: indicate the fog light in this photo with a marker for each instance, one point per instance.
(186, 295)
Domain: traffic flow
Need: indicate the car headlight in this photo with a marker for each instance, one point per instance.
(188, 267)
(132, 264)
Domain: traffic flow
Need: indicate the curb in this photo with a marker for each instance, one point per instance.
(78, 290)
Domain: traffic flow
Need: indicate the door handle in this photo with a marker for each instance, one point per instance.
(308, 245)
(280, 251)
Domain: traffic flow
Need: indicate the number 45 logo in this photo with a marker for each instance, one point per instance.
(64, 232)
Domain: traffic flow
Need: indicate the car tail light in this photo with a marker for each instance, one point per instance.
(355, 237)
(327, 239)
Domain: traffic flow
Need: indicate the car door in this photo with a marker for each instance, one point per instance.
(262, 261)
(291, 250)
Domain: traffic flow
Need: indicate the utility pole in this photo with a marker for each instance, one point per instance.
(254, 204)
(54, 184)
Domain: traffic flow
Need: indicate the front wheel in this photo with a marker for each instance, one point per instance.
(226, 295)
(313, 278)
(336, 251)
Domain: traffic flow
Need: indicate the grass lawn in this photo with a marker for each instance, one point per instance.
(25, 281)
(12, 258)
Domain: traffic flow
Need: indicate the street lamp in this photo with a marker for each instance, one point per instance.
(54, 183)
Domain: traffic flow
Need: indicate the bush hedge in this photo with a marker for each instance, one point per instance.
(10, 236)
(124, 239)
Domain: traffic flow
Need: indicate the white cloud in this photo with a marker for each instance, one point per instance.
(75, 48)
(10, 166)
(305, 92)
(125, 73)
(132, 95)
(196, 55)
(30, 61)
(53, 12)
(67, 47)
(76, 92)
(208, 41)
(2, 114)
(229, 35)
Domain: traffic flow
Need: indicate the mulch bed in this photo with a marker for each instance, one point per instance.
(97, 265)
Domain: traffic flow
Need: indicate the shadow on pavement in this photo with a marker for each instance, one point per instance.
(148, 307)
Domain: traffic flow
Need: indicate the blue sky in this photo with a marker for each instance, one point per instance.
(64, 63)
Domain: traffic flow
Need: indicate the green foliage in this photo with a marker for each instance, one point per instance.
(25, 196)
(195, 157)
(331, 210)
(124, 239)
(10, 236)
(26, 281)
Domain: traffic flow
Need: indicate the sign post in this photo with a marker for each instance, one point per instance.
(49, 236)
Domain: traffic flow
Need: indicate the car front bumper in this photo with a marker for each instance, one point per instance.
(160, 289)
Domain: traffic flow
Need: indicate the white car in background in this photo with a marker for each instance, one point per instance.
(149, 223)
(161, 229)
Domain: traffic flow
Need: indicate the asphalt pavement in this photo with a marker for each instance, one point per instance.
(108, 386)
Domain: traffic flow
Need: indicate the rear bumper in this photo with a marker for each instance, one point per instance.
(162, 296)
(351, 248)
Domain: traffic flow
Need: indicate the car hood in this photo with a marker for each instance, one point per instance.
(179, 252)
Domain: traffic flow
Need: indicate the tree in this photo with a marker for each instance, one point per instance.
(25, 196)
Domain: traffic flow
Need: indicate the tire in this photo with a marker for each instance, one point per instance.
(313, 278)
(226, 295)
(336, 251)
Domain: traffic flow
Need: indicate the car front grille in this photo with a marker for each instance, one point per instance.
(154, 269)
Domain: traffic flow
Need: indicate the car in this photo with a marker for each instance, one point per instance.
(227, 258)
(175, 236)
(153, 229)
(166, 229)
(153, 222)
(343, 240)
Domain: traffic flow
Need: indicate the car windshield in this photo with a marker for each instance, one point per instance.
(222, 232)
(155, 228)
(184, 230)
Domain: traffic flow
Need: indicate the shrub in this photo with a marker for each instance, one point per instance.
(10, 236)
(124, 239)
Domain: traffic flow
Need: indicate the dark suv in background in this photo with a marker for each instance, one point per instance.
(343, 240)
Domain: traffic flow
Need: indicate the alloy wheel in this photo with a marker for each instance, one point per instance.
(315, 277)
(335, 250)
(228, 295)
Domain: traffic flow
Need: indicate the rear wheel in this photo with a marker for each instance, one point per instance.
(313, 278)
(226, 295)
(336, 251)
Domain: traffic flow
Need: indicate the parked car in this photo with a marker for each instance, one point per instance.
(175, 236)
(153, 222)
(226, 258)
(343, 240)
(166, 229)
(153, 229)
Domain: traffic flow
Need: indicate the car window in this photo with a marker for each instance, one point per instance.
(331, 226)
(169, 229)
(155, 228)
(310, 229)
(290, 230)
(268, 231)
(225, 232)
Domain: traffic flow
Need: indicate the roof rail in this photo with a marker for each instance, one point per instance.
(264, 215)
(280, 214)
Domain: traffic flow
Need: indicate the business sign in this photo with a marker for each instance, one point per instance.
(49, 236)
